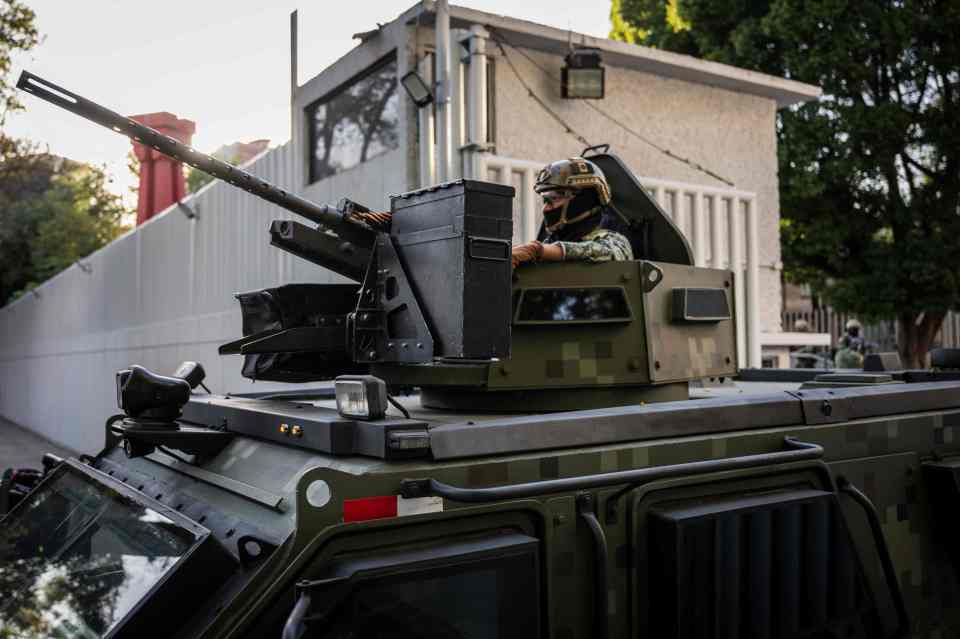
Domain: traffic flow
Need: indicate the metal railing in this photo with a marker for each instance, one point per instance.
(720, 224)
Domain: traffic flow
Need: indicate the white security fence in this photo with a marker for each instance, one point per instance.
(720, 224)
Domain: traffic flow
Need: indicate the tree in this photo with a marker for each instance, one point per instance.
(18, 32)
(870, 173)
(53, 212)
(75, 217)
(197, 179)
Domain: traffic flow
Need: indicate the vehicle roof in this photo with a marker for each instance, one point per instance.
(438, 417)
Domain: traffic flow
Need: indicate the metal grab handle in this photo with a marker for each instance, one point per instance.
(601, 595)
(595, 149)
(294, 626)
(797, 451)
(889, 572)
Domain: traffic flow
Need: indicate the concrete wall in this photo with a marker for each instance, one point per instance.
(733, 134)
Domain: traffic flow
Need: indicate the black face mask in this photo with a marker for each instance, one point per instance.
(571, 232)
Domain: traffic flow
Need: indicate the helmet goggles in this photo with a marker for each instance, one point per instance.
(556, 195)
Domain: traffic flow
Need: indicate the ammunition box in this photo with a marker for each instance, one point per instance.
(454, 240)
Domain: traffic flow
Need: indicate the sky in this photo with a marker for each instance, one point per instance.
(223, 64)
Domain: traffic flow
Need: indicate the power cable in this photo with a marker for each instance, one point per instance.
(399, 406)
(543, 105)
(500, 40)
(670, 154)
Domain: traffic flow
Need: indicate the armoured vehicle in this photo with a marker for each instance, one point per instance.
(500, 455)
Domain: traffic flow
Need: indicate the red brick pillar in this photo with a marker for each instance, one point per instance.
(161, 177)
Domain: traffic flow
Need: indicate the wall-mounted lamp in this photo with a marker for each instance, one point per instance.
(418, 90)
(583, 74)
(187, 211)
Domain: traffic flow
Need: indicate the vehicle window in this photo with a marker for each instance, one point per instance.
(573, 305)
(355, 123)
(490, 599)
(76, 557)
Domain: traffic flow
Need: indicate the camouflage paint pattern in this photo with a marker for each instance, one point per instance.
(649, 348)
(880, 456)
(681, 351)
(574, 174)
(599, 245)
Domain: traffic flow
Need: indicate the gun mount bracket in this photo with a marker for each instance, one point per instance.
(388, 323)
(140, 438)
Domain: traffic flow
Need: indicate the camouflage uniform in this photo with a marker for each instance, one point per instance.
(852, 347)
(599, 245)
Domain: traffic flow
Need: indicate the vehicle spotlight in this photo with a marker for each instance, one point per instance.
(361, 396)
(583, 74)
(418, 90)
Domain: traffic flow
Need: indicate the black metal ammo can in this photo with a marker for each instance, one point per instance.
(454, 240)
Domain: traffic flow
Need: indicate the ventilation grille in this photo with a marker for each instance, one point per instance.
(771, 566)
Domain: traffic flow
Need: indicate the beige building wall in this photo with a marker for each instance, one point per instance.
(733, 134)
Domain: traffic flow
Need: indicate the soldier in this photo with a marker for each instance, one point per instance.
(852, 347)
(575, 199)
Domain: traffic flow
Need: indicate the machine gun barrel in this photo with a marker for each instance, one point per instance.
(325, 216)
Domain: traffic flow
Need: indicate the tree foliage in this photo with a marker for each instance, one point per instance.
(197, 179)
(870, 173)
(53, 212)
(18, 32)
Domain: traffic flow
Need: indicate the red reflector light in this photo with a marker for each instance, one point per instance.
(369, 508)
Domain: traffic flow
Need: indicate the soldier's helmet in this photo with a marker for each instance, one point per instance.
(573, 174)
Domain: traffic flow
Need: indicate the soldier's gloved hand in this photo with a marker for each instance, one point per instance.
(529, 252)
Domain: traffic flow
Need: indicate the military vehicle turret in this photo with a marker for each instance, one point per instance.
(433, 306)
(500, 455)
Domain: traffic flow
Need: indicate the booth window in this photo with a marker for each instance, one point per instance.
(356, 122)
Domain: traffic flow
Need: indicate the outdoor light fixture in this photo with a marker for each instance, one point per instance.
(417, 89)
(361, 396)
(582, 74)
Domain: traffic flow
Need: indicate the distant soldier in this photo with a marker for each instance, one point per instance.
(805, 355)
(852, 347)
(575, 197)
